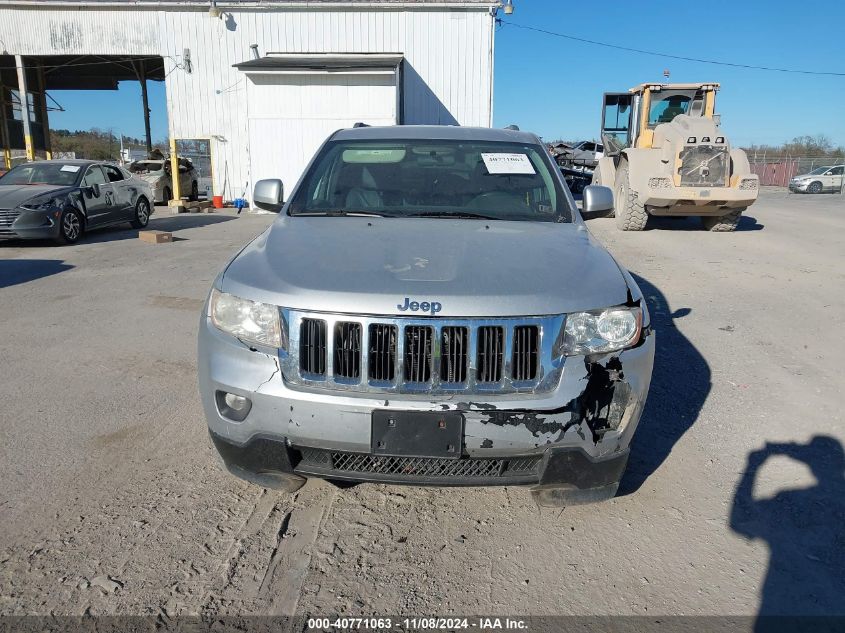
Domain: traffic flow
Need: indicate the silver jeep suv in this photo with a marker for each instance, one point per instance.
(429, 308)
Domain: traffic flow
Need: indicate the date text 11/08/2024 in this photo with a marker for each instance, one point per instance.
(419, 623)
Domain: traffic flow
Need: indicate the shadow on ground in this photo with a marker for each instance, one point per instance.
(746, 223)
(680, 384)
(805, 532)
(21, 271)
(125, 232)
(167, 223)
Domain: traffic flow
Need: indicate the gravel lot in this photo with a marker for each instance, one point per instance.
(108, 472)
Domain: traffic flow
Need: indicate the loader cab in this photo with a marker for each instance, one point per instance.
(629, 118)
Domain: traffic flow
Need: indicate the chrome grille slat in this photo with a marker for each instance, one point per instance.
(382, 352)
(347, 349)
(421, 356)
(312, 348)
(8, 217)
(490, 351)
(453, 359)
(418, 353)
(525, 352)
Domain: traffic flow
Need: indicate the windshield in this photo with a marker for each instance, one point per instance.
(42, 174)
(818, 171)
(146, 166)
(445, 178)
(665, 106)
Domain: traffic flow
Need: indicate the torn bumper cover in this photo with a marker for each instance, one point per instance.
(576, 435)
(263, 458)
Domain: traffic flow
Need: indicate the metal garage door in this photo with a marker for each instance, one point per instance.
(291, 114)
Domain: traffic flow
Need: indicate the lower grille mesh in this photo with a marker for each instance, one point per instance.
(414, 467)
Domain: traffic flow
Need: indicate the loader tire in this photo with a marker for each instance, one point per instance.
(630, 214)
(722, 223)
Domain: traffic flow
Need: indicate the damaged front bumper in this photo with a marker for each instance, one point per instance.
(576, 435)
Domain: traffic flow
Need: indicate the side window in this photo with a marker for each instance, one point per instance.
(600, 148)
(94, 176)
(113, 173)
(838, 171)
(589, 147)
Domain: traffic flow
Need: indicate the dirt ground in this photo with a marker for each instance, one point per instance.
(112, 501)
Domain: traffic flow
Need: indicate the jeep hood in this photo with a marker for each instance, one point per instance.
(473, 268)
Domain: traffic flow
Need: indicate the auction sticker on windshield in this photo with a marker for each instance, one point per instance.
(507, 163)
(70, 168)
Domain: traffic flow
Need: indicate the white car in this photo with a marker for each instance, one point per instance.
(819, 180)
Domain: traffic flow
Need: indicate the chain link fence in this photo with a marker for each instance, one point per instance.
(778, 170)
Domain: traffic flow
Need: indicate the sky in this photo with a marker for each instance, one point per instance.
(553, 86)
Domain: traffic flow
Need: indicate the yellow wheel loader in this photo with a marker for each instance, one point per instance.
(665, 155)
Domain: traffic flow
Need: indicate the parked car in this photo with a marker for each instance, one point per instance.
(821, 179)
(61, 199)
(157, 172)
(428, 308)
(583, 154)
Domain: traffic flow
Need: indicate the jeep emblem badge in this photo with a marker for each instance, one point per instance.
(432, 307)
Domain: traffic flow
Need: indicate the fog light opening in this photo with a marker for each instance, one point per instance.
(233, 406)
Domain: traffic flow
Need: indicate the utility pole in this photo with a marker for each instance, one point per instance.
(24, 99)
(141, 73)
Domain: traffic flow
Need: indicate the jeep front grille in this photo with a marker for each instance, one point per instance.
(312, 346)
(417, 353)
(421, 355)
(382, 356)
(453, 354)
(347, 350)
(491, 347)
(525, 352)
(704, 166)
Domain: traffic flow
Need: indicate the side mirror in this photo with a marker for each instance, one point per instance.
(269, 195)
(597, 199)
(95, 190)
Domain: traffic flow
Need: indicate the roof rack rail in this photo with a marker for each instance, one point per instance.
(361, 124)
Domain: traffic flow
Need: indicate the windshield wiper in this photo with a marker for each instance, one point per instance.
(451, 214)
(337, 213)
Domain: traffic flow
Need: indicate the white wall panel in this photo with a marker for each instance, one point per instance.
(447, 79)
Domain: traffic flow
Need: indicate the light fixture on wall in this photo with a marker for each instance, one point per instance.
(213, 10)
(508, 7)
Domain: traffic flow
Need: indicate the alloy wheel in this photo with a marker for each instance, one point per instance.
(71, 226)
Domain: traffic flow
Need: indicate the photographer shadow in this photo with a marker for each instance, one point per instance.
(680, 384)
(805, 531)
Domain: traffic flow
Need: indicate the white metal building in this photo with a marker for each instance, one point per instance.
(264, 82)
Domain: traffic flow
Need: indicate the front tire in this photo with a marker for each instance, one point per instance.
(630, 214)
(195, 192)
(168, 195)
(142, 214)
(723, 223)
(70, 227)
(815, 187)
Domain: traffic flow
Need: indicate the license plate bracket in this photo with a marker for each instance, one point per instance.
(417, 433)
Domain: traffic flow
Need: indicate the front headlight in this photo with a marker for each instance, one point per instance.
(251, 321)
(599, 331)
(44, 204)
